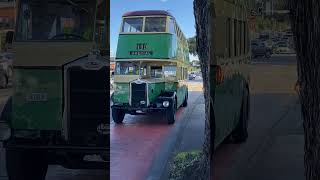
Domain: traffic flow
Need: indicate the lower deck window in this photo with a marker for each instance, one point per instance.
(156, 72)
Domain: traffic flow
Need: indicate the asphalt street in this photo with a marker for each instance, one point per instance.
(274, 149)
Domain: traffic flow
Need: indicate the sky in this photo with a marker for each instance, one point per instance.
(182, 10)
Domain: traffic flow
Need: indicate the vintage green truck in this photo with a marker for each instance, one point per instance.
(58, 112)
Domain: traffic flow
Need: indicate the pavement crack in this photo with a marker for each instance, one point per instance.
(269, 135)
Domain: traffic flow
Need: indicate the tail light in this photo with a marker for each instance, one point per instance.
(219, 74)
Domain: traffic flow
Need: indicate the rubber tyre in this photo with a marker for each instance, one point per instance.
(3, 81)
(6, 113)
(240, 133)
(26, 164)
(268, 55)
(170, 113)
(118, 115)
(185, 102)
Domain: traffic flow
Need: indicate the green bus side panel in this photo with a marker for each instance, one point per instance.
(155, 90)
(121, 93)
(146, 46)
(37, 114)
(171, 86)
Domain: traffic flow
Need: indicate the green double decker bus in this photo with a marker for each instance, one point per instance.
(151, 66)
(229, 70)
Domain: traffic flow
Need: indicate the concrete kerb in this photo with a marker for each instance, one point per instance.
(166, 152)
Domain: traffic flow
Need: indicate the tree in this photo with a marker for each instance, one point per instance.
(305, 15)
(192, 45)
(201, 13)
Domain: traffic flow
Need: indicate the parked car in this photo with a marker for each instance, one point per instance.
(192, 76)
(5, 69)
(259, 49)
(283, 48)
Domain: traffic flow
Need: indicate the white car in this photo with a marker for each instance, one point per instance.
(283, 49)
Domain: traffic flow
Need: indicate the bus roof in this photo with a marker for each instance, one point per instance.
(147, 13)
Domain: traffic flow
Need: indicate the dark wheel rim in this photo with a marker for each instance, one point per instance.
(3, 81)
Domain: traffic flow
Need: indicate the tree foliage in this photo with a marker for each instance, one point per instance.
(192, 45)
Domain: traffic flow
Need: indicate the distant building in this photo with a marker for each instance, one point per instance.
(112, 63)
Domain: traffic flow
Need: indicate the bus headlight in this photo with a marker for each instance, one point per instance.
(165, 103)
(5, 131)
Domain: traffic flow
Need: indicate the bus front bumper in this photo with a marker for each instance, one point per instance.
(138, 110)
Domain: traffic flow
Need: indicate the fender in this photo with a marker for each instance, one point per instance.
(166, 96)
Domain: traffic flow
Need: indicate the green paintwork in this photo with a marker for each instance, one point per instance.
(162, 46)
(154, 90)
(121, 93)
(42, 115)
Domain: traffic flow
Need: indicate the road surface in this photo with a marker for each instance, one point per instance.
(274, 149)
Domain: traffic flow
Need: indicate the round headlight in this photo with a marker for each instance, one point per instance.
(165, 103)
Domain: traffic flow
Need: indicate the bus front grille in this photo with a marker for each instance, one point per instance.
(88, 106)
(138, 95)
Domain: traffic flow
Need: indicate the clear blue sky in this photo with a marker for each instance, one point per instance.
(182, 10)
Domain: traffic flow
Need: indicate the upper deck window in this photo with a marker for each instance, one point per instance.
(171, 26)
(132, 25)
(155, 24)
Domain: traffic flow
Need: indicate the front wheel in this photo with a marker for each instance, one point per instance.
(185, 102)
(170, 114)
(3, 81)
(118, 115)
(26, 164)
(268, 55)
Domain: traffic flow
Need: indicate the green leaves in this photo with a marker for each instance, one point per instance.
(192, 43)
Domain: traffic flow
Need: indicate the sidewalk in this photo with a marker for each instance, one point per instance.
(280, 155)
(191, 136)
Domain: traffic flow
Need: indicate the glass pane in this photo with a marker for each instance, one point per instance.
(156, 72)
(155, 24)
(56, 20)
(127, 68)
(132, 25)
(170, 71)
(101, 24)
(171, 26)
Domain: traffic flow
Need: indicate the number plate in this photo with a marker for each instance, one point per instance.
(37, 97)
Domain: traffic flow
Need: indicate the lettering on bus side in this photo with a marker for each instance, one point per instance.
(140, 50)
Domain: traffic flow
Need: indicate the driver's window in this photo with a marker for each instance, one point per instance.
(156, 72)
(102, 27)
(55, 20)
